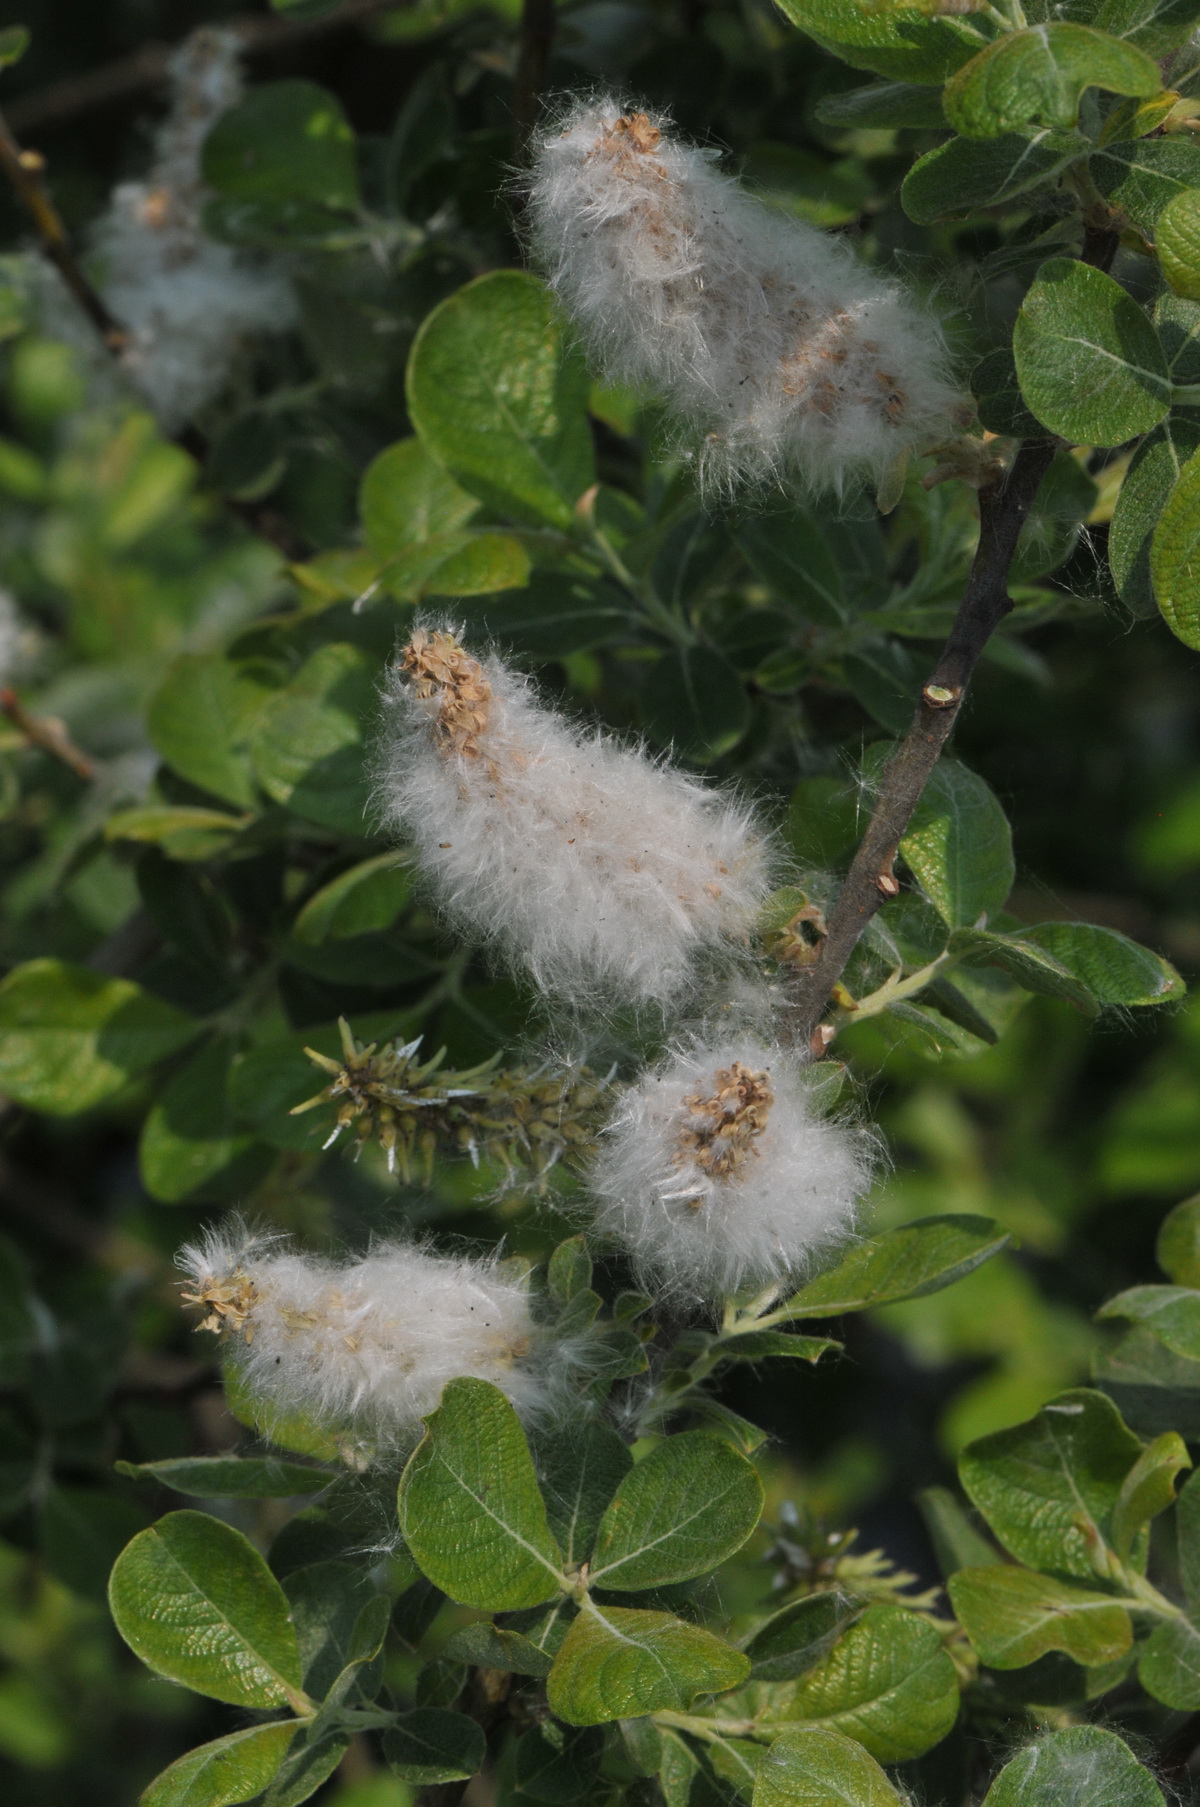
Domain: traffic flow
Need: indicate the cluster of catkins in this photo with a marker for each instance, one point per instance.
(775, 349)
(184, 301)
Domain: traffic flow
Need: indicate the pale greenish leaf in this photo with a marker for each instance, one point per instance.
(71, 1037)
(959, 845)
(620, 1663)
(798, 1636)
(194, 1599)
(231, 1477)
(1177, 1248)
(308, 748)
(1081, 1766)
(1143, 175)
(680, 1512)
(230, 1769)
(1090, 365)
(678, 1771)
(816, 1766)
(1177, 241)
(470, 1508)
(887, 1682)
(964, 174)
(365, 898)
(1171, 1312)
(494, 398)
(286, 141)
(181, 830)
(200, 720)
(1013, 1617)
(764, 1345)
(408, 497)
(1175, 556)
(902, 42)
(1048, 1487)
(1152, 475)
(905, 1263)
(1041, 74)
(1147, 1490)
(736, 1761)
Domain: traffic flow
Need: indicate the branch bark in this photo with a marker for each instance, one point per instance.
(536, 41)
(871, 881)
(26, 170)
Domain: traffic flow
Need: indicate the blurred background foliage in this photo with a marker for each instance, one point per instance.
(133, 574)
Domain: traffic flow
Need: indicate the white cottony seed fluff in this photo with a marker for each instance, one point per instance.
(718, 1173)
(777, 350)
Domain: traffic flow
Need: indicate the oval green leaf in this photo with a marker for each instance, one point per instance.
(619, 1663)
(815, 1766)
(1175, 557)
(1083, 1766)
(1041, 74)
(687, 1506)
(906, 1263)
(1090, 365)
(887, 1682)
(230, 1769)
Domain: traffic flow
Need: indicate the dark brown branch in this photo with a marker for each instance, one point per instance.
(144, 70)
(46, 732)
(871, 881)
(26, 170)
(535, 41)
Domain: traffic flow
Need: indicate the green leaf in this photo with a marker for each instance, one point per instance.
(230, 1769)
(1027, 961)
(762, 1345)
(695, 703)
(796, 1638)
(680, 1512)
(470, 1508)
(306, 1767)
(1142, 176)
(489, 1646)
(1155, 26)
(194, 1599)
(1169, 1664)
(1177, 241)
(1153, 1388)
(882, 104)
(619, 1663)
(231, 1477)
(815, 1766)
(181, 831)
(569, 1270)
(905, 1263)
(201, 718)
(1090, 365)
(1048, 1488)
(1083, 1766)
(1065, 498)
(1013, 1616)
(555, 1765)
(494, 399)
(71, 1037)
(286, 141)
(189, 1138)
(365, 898)
(1175, 556)
(555, 614)
(1187, 1539)
(1171, 1312)
(1152, 475)
(407, 497)
(964, 174)
(580, 1467)
(887, 1682)
(340, 1620)
(959, 845)
(81, 1532)
(1177, 1248)
(14, 42)
(1041, 73)
(307, 746)
(1115, 970)
(1147, 1490)
(899, 41)
(956, 1542)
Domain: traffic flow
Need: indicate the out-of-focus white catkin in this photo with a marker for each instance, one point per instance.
(776, 349)
(185, 301)
(718, 1173)
(600, 870)
(365, 1344)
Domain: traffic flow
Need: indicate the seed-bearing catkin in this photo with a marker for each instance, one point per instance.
(603, 872)
(184, 300)
(363, 1345)
(775, 348)
(718, 1173)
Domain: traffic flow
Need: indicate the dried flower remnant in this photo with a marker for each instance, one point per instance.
(527, 1119)
(185, 300)
(600, 870)
(365, 1344)
(777, 350)
(718, 1172)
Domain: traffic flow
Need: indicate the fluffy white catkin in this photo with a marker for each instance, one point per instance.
(366, 1343)
(184, 300)
(718, 1173)
(776, 349)
(602, 871)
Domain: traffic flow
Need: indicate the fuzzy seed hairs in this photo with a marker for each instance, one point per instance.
(718, 1174)
(362, 1345)
(184, 300)
(778, 352)
(603, 872)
